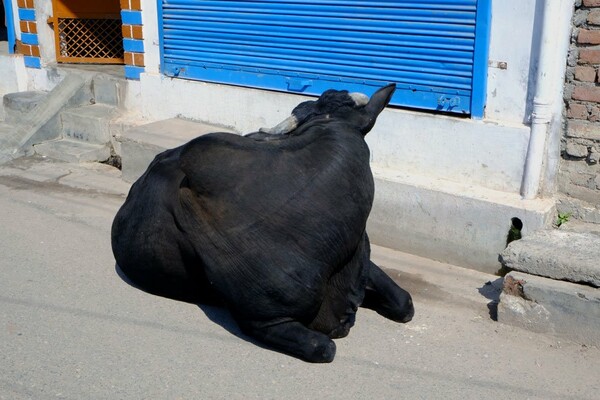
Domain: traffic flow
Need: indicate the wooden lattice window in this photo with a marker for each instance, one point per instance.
(97, 40)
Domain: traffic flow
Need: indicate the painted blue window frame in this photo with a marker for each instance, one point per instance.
(297, 84)
(10, 26)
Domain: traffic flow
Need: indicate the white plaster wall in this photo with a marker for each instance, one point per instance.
(151, 41)
(555, 130)
(511, 40)
(43, 11)
(483, 153)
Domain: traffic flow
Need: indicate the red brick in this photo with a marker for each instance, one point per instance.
(136, 4)
(591, 3)
(594, 17)
(137, 31)
(127, 32)
(138, 59)
(21, 3)
(585, 74)
(24, 49)
(587, 93)
(595, 114)
(587, 36)
(35, 50)
(588, 56)
(128, 58)
(577, 111)
(124, 4)
(584, 130)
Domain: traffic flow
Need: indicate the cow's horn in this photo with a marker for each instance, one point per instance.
(360, 99)
(285, 126)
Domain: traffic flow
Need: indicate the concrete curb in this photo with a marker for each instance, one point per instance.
(557, 254)
(558, 308)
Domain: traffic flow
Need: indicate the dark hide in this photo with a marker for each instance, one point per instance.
(271, 226)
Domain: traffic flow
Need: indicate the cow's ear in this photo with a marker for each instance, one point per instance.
(376, 104)
(379, 100)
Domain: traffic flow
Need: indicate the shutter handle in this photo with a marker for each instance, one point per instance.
(298, 85)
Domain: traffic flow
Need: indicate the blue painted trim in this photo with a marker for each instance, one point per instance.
(133, 45)
(424, 98)
(26, 14)
(130, 17)
(481, 54)
(10, 26)
(133, 72)
(32, 62)
(30, 38)
(161, 43)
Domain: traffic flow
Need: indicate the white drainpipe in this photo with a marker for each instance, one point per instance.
(543, 100)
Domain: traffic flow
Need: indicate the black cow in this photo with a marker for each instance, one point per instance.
(271, 224)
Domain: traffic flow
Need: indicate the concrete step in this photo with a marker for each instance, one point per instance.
(557, 254)
(89, 123)
(109, 90)
(73, 151)
(18, 106)
(10, 137)
(43, 122)
(554, 286)
(139, 145)
(559, 308)
(461, 224)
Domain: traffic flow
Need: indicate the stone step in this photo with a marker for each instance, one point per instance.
(563, 309)
(73, 151)
(558, 254)
(89, 123)
(140, 144)
(108, 90)
(18, 106)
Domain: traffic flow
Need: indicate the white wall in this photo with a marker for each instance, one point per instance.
(511, 40)
(43, 11)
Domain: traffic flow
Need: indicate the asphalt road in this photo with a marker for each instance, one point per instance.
(71, 328)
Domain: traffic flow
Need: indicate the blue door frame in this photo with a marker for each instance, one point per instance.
(10, 25)
(197, 45)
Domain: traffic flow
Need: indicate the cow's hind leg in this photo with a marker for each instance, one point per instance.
(293, 338)
(385, 297)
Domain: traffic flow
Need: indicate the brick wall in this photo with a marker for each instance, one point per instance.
(28, 45)
(133, 35)
(579, 177)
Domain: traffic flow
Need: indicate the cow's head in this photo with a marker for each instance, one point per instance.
(354, 108)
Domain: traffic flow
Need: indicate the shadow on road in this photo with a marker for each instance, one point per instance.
(217, 314)
(491, 290)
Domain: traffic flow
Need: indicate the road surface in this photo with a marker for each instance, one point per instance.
(71, 328)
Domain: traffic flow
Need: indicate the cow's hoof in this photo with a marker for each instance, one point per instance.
(320, 351)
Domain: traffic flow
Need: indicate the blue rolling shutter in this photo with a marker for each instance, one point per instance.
(428, 48)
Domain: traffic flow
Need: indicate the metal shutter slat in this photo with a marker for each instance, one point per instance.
(427, 48)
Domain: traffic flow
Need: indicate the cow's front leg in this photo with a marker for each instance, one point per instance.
(291, 337)
(383, 295)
